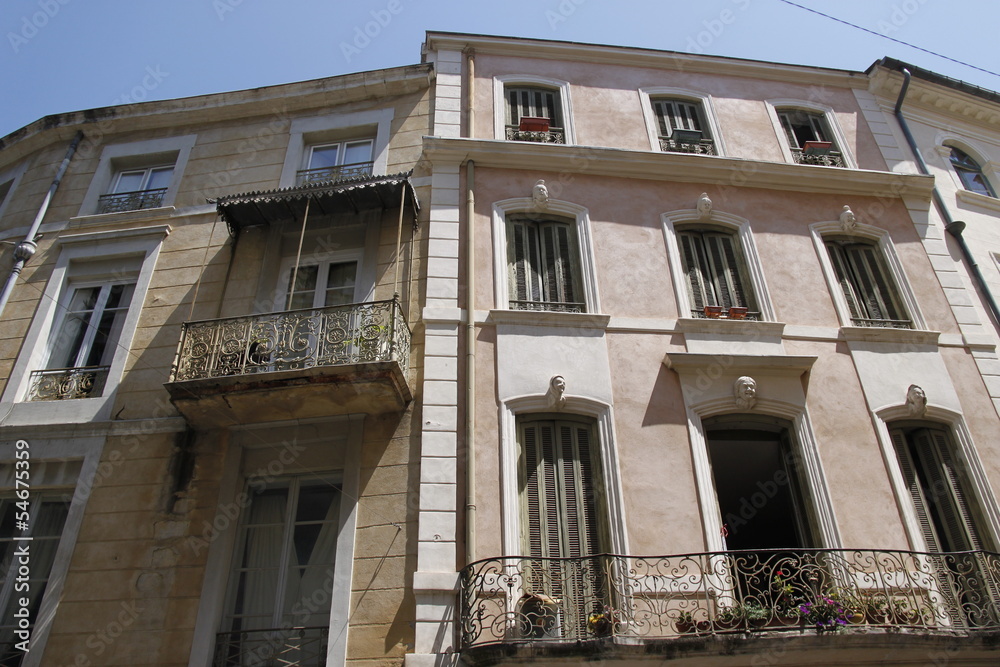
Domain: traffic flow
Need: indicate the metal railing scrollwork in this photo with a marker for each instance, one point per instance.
(287, 647)
(56, 384)
(293, 340)
(524, 599)
(131, 201)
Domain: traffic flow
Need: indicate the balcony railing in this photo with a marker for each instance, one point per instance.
(290, 340)
(338, 173)
(287, 647)
(519, 599)
(831, 159)
(554, 135)
(701, 147)
(131, 201)
(56, 384)
(885, 324)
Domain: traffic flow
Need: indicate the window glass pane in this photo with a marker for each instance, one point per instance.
(324, 157)
(67, 345)
(340, 283)
(130, 181)
(305, 287)
(358, 151)
(159, 178)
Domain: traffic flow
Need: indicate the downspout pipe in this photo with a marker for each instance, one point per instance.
(26, 248)
(952, 226)
(470, 325)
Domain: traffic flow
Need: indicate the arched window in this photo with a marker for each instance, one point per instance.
(534, 114)
(809, 137)
(716, 272)
(970, 173)
(872, 296)
(681, 126)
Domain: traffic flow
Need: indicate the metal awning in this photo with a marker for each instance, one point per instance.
(352, 195)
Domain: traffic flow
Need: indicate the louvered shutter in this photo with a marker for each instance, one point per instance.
(690, 252)
(843, 273)
(537, 102)
(724, 274)
(909, 469)
(715, 270)
(786, 125)
(865, 281)
(524, 281)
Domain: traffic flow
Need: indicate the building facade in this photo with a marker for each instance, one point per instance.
(209, 377)
(693, 375)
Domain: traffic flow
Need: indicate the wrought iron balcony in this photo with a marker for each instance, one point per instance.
(701, 147)
(338, 173)
(330, 360)
(517, 600)
(56, 384)
(831, 159)
(287, 647)
(554, 135)
(554, 306)
(885, 324)
(131, 201)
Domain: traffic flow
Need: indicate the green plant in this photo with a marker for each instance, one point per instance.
(754, 613)
(824, 612)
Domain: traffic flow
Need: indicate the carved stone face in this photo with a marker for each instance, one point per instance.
(745, 389)
(558, 384)
(916, 400)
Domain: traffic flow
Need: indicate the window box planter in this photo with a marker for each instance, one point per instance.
(817, 147)
(713, 312)
(738, 313)
(534, 124)
(687, 136)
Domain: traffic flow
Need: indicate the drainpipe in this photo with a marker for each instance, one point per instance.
(470, 363)
(470, 329)
(26, 248)
(953, 227)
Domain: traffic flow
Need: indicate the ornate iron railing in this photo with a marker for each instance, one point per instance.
(885, 324)
(280, 647)
(701, 147)
(520, 599)
(340, 172)
(130, 201)
(56, 384)
(556, 306)
(295, 339)
(554, 135)
(831, 159)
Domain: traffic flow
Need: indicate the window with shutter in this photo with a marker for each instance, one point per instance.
(945, 513)
(527, 103)
(871, 296)
(681, 127)
(716, 272)
(561, 501)
(542, 259)
(809, 138)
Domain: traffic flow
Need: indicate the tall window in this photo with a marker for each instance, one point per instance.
(716, 273)
(681, 127)
(284, 562)
(84, 344)
(561, 505)
(134, 189)
(871, 295)
(809, 138)
(323, 284)
(534, 114)
(45, 519)
(970, 173)
(542, 261)
(336, 161)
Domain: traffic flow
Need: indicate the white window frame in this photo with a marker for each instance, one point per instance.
(332, 447)
(500, 84)
(142, 243)
(727, 221)
(12, 176)
(318, 130)
(881, 239)
(703, 100)
(964, 451)
(581, 223)
(136, 155)
(61, 453)
(839, 138)
(362, 291)
(510, 452)
(989, 169)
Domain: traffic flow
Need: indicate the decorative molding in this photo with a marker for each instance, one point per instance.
(761, 364)
(756, 330)
(890, 335)
(545, 318)
(679, 167)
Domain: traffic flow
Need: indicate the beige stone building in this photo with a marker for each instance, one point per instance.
(718, 405)
(209, 372)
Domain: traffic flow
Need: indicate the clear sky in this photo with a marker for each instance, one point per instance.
(66, 55)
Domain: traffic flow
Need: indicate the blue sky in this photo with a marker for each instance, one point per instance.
(65, 55)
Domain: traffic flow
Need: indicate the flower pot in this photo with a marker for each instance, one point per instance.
(817, 147)
(855, 618)
(686, 136)
(684, 627)
(534, 124)
(738, 313)
(713, 311)
(704, 626)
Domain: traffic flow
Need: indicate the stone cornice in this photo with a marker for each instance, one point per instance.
(929, 97)
(637, 57)
(679, 167)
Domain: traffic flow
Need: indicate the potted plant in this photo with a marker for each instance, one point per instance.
(539, 615)
(755, 614)
(684, 623)
(824, 613)
(601, 623)
(730, 617)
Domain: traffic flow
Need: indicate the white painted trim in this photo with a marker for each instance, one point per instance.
(895, 266)
(839, 138)
(965, 452)
(13, 175)
(361, 289)
(945, 141)
(703, 99)
(500, 102)
(135, 153)
(307, 131)
(588, 274)
(89, 449)
(143, 242)
(510, 505)
(741, 226)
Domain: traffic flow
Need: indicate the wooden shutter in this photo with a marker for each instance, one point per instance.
(537, 102)
(843, 273)
(714, 266)
(542, 264)
(524, 281)
(865, 281)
